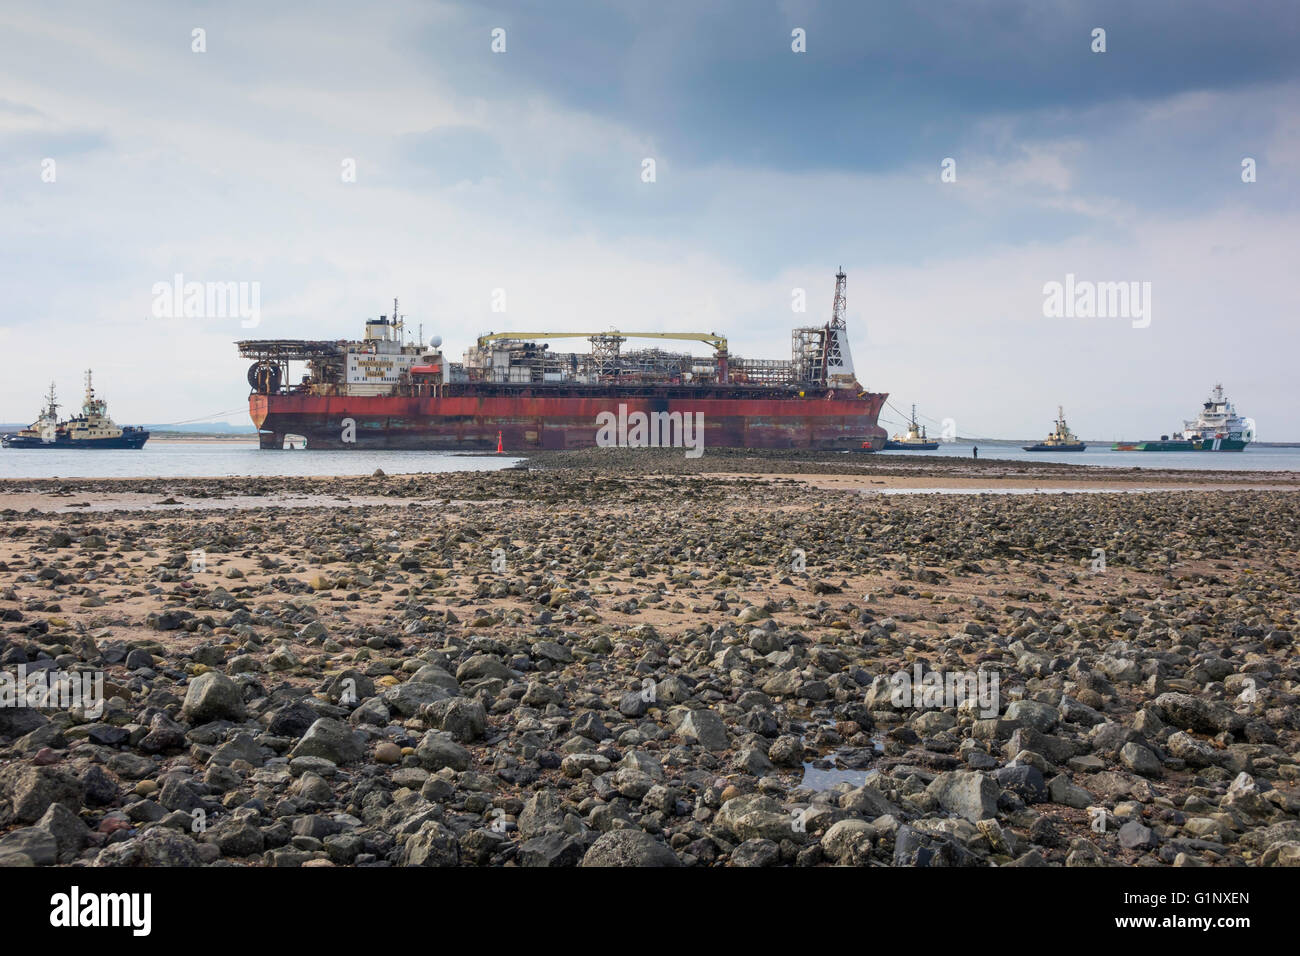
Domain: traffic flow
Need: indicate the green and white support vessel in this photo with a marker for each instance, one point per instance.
(1217, 428)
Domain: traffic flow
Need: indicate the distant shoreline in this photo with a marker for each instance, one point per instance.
(168, 438)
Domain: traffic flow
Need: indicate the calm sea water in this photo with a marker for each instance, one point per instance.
(232, 459)
(1252, 458)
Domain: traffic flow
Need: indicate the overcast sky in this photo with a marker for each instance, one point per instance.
(523, 171)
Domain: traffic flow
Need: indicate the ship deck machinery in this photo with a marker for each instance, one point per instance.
(512, 387)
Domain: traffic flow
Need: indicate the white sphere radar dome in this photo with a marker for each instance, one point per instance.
(436, 341)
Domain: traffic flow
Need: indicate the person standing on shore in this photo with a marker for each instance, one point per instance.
(975, 451)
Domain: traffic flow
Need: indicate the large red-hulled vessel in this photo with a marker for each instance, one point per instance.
(382, 392)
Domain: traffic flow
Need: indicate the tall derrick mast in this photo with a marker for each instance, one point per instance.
(839, 360)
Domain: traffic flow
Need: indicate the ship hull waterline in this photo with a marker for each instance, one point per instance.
(1202, 444)
(532, 422)
(124, 441)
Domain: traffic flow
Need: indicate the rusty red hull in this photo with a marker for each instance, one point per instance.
(529, 418)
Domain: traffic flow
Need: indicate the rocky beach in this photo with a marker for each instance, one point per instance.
(637, 659)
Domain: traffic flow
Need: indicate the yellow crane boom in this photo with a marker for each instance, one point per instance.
(719, 342)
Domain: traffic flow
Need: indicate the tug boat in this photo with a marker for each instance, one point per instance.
(91, 429)
(1218, 427)
(915, 439)
(1061, 438)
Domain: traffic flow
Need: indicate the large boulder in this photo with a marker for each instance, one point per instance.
(212, 696)
(1192, 713)
(754, 816)
(157, 846)
(552, 849)
(332, 740)
(706, 727)
(845, 837)
(69, 833)
(31, 791)
(164, 734)
(1032, 713)
(629, 848)
(16, 722)
(408, 698)
(915, 848)
(464, 719)
(1024, 781)
(438, 750)
(966, 793)
(432, 845)
(36, 844)
(543, 813)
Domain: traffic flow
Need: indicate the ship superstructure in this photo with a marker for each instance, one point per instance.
(93, 428)
(1218, 419)
(386, 392)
